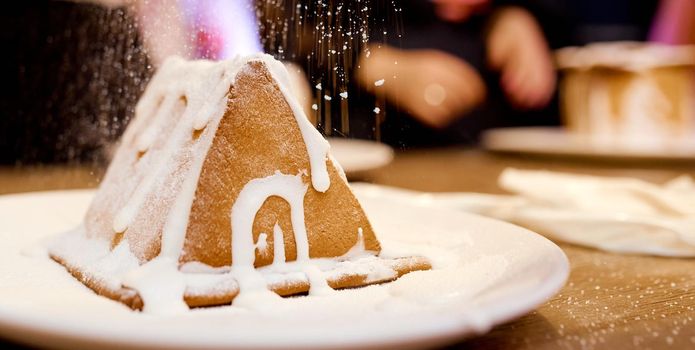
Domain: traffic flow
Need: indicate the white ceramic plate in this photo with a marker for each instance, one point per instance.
(360, 155)
(557, 141)
(486, 272)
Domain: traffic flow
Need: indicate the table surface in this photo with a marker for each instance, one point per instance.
(610, 301)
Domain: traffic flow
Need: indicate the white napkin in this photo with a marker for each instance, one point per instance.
(603, 194)
(624, 215)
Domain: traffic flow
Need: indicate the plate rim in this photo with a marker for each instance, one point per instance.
(496, 140)
(386, 150)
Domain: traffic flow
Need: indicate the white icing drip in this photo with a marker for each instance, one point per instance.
(151, 99)
(253, 288)
(317, 281)
(292, 189)
(289, 187)
(317, 147)
(150, 133)
(126, 215)
(160, 285)
(262, 244)
(221, 89)
(278, 246)
(254, 293)
(358, 250)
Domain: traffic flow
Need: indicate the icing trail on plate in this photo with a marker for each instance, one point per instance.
(250, 200)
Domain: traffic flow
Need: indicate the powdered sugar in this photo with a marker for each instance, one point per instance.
(95, 254)
(176, 165)
(204, 107)
(317, 147)
(162, 285)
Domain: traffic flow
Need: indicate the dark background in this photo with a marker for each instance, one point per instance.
(72, 72)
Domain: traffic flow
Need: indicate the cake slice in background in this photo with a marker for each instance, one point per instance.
(628, 93)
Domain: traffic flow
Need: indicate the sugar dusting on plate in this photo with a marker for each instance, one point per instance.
(471, 257)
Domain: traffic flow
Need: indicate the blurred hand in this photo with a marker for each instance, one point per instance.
(457, 10)
(517, 48)
(433, 86)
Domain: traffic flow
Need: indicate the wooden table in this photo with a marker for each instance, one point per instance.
(610, 301)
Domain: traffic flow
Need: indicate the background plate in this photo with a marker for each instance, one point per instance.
(557, 141)
(360, 155)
